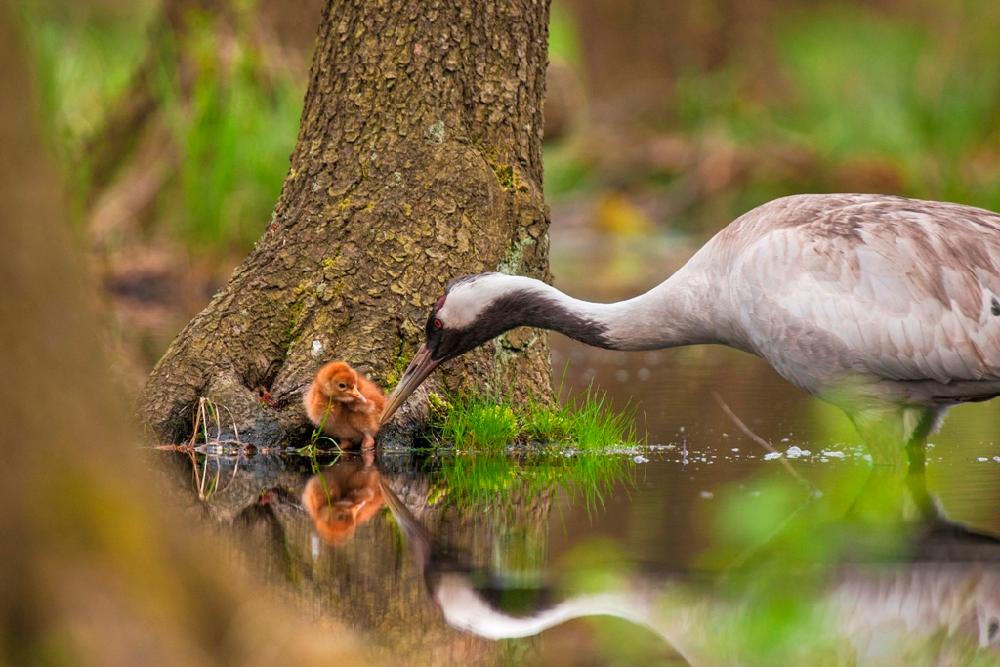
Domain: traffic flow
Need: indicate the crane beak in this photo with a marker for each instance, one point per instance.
(415, 373)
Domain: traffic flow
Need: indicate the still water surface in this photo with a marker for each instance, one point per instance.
(693, 550)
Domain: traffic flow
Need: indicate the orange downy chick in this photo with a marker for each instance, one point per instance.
(345, 404)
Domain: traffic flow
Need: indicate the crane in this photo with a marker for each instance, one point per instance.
(885, 306)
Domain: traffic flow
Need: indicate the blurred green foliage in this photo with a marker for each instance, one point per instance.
(563, 43)
(84, 56)
(881, 101)
(233, 117)
(867, 87)
(237, 134)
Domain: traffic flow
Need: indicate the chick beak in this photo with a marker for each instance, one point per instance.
(415, 373)
(358, 396)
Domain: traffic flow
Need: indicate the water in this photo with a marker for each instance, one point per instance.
(658, 523)
(696, 549)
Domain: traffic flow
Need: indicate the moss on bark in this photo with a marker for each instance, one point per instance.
(418, 159)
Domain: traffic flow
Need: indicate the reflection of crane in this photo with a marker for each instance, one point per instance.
(887, 307)
(944, 603)
(479, 602)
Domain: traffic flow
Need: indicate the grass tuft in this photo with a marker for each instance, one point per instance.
(570, 442)
(595, 425)
(587, 423)
(479, 423)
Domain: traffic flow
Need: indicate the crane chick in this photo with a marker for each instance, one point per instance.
(345, 404)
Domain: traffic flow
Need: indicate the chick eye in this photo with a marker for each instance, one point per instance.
(437, 323)
(342, 386)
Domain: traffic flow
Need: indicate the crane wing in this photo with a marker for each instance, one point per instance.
(899, 288)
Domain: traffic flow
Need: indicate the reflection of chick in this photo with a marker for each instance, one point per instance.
(345, 404)
(341, 498)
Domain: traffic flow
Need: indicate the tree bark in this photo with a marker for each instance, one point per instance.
(418, 159)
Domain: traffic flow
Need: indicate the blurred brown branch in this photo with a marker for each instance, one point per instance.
(96, 571)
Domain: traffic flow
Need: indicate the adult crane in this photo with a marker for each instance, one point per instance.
(885, 306)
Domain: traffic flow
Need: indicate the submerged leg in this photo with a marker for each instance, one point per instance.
(895, 438)
(916, 477)
(894, 485)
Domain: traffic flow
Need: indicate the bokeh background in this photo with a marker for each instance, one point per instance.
(173, 120)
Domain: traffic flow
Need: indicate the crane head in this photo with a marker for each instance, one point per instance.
(473, 309)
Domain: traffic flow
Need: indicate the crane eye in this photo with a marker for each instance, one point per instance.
(437, 323)
(342, 386)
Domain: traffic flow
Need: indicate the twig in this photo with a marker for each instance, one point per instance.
(174, 447)
(236, 468)
(232, 419)
(745, 556)
(197, 423)
(759, 440)
(201, 478)
(204, 419)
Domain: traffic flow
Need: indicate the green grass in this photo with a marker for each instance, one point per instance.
(236, 132)
(476, 422)
(595, 425)
(503, 452)
(491, 424)
(233, 122)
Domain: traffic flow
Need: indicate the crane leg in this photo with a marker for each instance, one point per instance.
(916, 472)
(896, 439)
(898, 445)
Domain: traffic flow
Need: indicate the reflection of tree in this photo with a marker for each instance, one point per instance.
(366, 577)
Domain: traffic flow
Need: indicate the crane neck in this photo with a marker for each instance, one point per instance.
(676, 312)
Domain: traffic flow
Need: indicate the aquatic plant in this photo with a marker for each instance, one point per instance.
(479, 423)
(503, 450)
(587, 423)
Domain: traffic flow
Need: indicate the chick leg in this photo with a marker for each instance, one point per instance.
(368, 442)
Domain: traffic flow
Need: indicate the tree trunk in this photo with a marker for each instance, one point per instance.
(418, 159)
